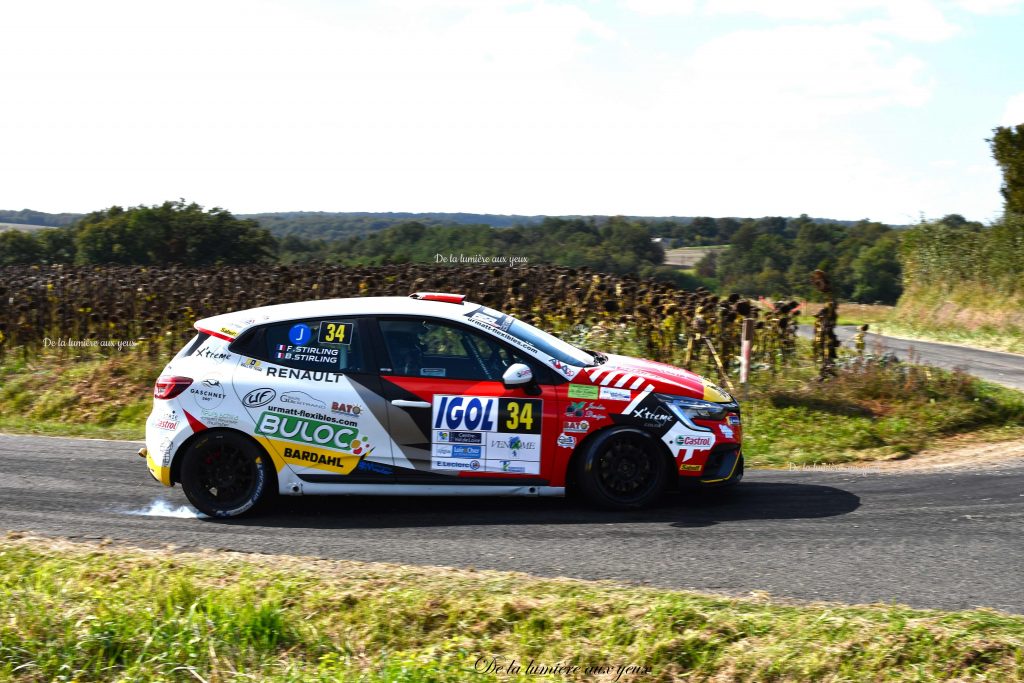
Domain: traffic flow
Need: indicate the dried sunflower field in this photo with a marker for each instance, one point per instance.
(156, 307)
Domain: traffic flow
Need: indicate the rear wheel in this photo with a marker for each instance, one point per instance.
(225, 474)
(621, 470)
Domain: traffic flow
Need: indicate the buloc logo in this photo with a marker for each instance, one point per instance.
(258, 397)
(314, 432)
(460, 413)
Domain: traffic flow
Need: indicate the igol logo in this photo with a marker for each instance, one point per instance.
(259, 397)
(456, 412)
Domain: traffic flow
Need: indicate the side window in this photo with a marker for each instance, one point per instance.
(435, 348)
(322, 344)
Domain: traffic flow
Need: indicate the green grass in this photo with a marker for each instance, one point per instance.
(77, 612)
(970, 314)
(858, 314)
(88, 395)
(872, 410)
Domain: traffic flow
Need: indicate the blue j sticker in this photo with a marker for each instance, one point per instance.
(300, 334)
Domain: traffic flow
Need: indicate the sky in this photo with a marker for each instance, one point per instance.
(842, 109)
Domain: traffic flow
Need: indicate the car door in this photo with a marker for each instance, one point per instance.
(311, 390)
(450, 413)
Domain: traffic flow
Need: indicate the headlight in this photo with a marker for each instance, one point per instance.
(686, 409)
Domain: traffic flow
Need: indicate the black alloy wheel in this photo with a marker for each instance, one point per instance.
(225, 474)
(622, 470)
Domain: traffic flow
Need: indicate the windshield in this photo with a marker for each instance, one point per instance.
(546, 343)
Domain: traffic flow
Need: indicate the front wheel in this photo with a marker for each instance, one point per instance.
(621, 470)
(225, 474)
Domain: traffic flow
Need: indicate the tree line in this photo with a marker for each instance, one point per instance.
(770, 256)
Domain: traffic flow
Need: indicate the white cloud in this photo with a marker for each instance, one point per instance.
(661, 7)
(990, 6)
(804, 72)
(912, 19)
(803, 10)
(1013, 114)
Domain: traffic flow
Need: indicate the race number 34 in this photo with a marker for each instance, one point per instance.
(335, 333)
(520, 415)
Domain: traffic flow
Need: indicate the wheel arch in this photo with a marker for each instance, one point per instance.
(177, 460)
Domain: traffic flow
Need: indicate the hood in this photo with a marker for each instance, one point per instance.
(637, 374)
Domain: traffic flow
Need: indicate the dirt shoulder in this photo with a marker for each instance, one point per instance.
(956, 452)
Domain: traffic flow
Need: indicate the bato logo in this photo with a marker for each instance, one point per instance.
(346, 408)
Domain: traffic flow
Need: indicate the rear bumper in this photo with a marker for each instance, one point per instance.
(158, 470)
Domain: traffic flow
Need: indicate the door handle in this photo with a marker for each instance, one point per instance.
(402, 403)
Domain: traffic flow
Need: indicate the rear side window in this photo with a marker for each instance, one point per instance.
(193, 344)
(320, 344)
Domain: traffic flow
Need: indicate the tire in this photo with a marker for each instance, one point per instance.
(225, 474)
(621, 470)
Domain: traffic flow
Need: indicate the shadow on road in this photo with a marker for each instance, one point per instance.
(749, 501)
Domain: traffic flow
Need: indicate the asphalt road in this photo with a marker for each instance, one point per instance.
(994, 366)
(944, 540)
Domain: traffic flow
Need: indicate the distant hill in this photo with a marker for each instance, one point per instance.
(343, 224)
(23, 226)
(30, 218)
(338, 225)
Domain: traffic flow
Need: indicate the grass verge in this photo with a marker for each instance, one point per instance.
(970, 315)
(78, 612)
(99, 397)
(872, 410)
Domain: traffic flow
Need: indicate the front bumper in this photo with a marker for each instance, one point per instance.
(724, 467)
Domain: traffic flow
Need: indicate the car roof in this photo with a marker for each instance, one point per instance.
(229, 325)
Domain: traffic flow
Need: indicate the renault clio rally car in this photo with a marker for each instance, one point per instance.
(425, 395)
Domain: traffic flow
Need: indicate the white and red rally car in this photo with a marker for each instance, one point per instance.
(426, 395)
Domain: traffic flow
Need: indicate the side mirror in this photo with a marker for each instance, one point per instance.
(517, 375)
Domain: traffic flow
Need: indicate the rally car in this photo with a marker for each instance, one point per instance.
(426, 395)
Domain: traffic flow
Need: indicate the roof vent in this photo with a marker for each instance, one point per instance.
(439, 296)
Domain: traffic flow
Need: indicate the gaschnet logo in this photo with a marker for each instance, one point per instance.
(208, 393)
